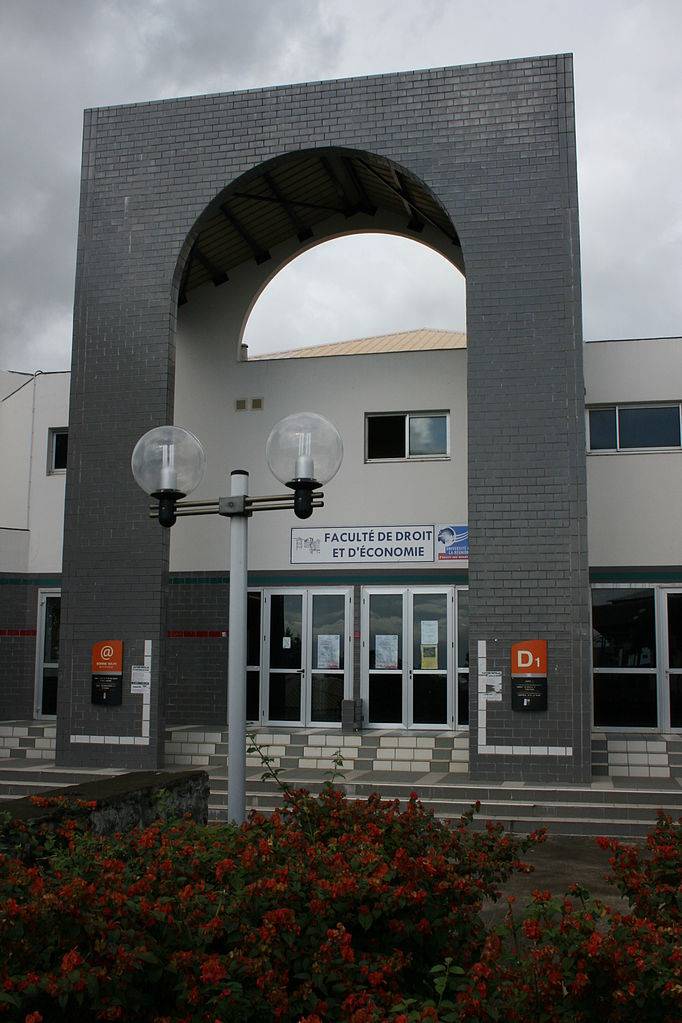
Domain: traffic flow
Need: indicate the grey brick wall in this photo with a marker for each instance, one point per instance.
(18, 613)
(495, 144)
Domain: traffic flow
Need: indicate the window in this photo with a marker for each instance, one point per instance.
(399, 435)
(624, 657)
(57, 446)
(627, 427)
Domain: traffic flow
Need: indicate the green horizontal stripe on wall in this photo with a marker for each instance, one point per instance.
(31, 580)
(659, 574)
(395, 577)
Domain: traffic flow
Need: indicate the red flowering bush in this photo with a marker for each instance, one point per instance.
(575, 960)
(328, 910)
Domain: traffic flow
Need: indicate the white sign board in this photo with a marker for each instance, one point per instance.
(378, 545)
(140, 678)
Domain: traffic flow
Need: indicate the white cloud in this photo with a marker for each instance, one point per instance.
(57, 58)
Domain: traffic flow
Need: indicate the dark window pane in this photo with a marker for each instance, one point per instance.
(627, 700)
(60, 442)
(386, 630)
(328, 630)
(602, 429)
(53, 607)
(430, 699)
(649, 427)
(326, 697)
(676, 700)
(49, 699)
(463, 700)
(675, 630)
(623, 628)
(428, 435)
(286, 615)
(386, 436)
(253, 696)
(462, 628)
(285, 696)
(253, 630)
(429, 630)
(386, 698)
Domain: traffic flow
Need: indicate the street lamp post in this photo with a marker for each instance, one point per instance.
(304, 451)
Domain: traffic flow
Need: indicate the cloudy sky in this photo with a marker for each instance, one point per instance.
(58, 57)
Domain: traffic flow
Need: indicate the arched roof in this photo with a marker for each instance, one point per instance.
(293, 195)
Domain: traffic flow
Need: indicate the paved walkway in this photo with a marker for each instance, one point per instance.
(560, 862)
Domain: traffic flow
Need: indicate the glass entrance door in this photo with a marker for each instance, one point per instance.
(284, 646)
(307, 646)
(408, 657)
(673, 650)
(429, 666)
(47, 653)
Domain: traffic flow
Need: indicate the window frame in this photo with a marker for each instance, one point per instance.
(617, 406)
(660, 672)
(408, 415)
(52, 434)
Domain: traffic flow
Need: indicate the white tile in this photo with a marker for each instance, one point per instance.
(21, 730)
(504, 750)
(658, 759)
(460, 755)
(190, 747)
(112, 740)
(637, 771)
(619, 772)
(424, 743)
(459, 768)
(539, 751)
(421, 765)
(385, 754)
(312, 751)
(401, 765)
(618, 758)
(659, 772)
(636, 746)
(388, 741)
(617, 745)
(656, 747)
(409, 741)
(638, 759)
(519, 751)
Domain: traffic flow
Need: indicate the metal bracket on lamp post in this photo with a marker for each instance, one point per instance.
(231, 507)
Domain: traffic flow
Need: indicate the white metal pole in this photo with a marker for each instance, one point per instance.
(236, 653)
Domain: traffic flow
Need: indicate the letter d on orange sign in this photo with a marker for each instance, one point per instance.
(529, 658)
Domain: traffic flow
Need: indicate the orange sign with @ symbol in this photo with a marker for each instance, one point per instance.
(529, 658)
(107, 657)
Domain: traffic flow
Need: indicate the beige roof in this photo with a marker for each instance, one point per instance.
(425, 339)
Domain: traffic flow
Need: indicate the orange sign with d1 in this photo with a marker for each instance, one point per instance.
(107, 657)
(529, 658)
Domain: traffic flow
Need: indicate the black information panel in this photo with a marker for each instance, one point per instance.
(529, 693)
(107, 689)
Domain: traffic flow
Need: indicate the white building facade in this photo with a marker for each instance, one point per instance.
(358, 617)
